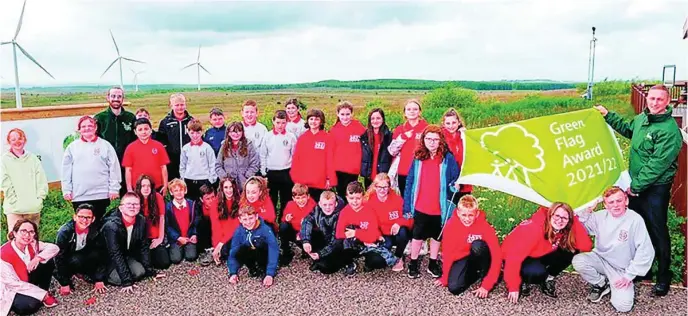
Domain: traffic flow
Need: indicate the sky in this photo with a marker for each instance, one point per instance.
(290, 42)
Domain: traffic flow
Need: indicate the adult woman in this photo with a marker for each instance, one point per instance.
(26, 272)
(388, 205)
(375, 158)
(430, 183)
(23, 181)
(313, 161)
(405, 139)
(90, 170)
(238, 158)
(540, 248)
(453, 127)
(153, 207)
(295, 123)
(346, 134)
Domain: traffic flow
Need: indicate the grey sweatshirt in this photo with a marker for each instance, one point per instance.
(90, 170)
(623, 242)
(238, 167)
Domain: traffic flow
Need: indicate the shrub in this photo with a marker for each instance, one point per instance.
(447, 97)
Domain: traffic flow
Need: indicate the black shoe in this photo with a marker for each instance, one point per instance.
(314, 267)
(598, 292)
(435, 268)
(525, 289)
(285, 259)
(350, 269)
(660, 289)
(548, 288)
(414, 269)
(304, 255)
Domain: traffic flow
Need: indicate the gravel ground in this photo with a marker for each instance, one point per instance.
(298, 291)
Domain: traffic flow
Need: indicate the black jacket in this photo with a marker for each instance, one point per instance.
(384, 158)
(174, 135)
(66, 240)
(326, 224)
(115, 235)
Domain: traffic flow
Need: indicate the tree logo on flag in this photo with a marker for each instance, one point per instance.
(525, 155)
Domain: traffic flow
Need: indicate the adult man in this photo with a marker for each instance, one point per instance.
(622, 250)
(655, 145)
(127, 244)
(116, 125)
(173, 134)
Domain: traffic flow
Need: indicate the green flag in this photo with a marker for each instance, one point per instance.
(571, 157)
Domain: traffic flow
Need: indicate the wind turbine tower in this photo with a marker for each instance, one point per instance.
(119, 59)
(198, 68)
(15, 45)
(136, 78)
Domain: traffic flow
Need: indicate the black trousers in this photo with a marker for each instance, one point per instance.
(536, 270)
(464, 272)
(193, 188)
(653, 205)
(204, 234)
(315, 193)
(367, 182)
(402, 184)
(343, 180)
(334, 261)
(279, 186)
(90, 264)
(41, 277)
(99, 209)
(160, 257)
(253, 258)
(173, 166)
(287, 234)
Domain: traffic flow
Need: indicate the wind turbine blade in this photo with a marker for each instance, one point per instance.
(132, 71)
(134, 60)
(19, 25)
(187, 66)
(108, 68)
(3, 43)
(113, 40)
(32, 59)
(198, 59)
(206, 70)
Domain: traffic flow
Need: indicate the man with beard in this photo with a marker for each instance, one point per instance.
(116, 125)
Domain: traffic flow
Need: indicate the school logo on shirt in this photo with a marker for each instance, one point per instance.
(418, 136)
(393, 215)
(285, 143)
(127, 126)
(623, 235)
(257, 135)
(354, 139)
(364, 225)
(211, 137)
(472, 237)
(203, 154)
(319, 145)
(96, 152)
(154, 151)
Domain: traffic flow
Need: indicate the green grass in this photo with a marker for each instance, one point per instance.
(503, 211)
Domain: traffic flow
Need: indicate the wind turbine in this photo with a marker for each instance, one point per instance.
(119, 59)
(136, 78)
(198, 69)
(15, 45)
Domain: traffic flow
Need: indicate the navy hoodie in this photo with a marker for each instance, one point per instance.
(260, 237)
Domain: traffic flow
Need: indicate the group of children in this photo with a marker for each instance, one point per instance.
(227, 183)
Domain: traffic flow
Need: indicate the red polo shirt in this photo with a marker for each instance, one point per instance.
(146, 159)
(428, 201)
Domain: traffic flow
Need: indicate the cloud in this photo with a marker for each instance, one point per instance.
(308, 41)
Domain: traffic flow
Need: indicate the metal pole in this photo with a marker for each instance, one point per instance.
(17, 93)
(591, 64)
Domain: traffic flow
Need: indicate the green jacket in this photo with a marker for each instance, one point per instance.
(655, 144)
(23, 183)
(118, 130)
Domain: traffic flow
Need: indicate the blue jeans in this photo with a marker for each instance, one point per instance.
(653, 205)
(400, 240)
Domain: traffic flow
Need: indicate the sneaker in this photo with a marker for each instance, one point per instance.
(399, 266)
(598, 292)
(548, 288)
(525, 289)
(435, 268)
(206, 258)
(350, 269)
(315, 267)
(304, 255)
(414, 269)
(660, 289)
(285, 259)
(49, 301)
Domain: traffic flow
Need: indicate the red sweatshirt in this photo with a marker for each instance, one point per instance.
(298, 213)
(456, 245)
(152, 228)
(183, 217)
(221, 230)
(266, 210)
(389, 212)
(365, 220)
(313, 160)
(527, 240)
(409, 147)
(347, 146)
(455, 144)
